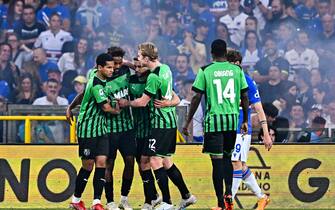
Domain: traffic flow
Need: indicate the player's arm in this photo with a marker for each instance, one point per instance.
(76, 101)
(198, 87)
(106, 107)
(101, 98)
(262, 120)
(140, 102)
(166, 103)
(196, 99)
(245, 106)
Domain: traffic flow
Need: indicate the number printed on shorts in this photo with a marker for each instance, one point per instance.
(152, 146)
(238, 148)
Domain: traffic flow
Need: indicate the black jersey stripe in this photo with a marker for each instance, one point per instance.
(233, 122)
(227, 122)
(215, 123)
(221, 122)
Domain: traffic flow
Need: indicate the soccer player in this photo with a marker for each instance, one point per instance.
(92, 133)
(223, 85)
(162, 143)
(141, 117)
(122, 133)
(242, 145)
(120, 128)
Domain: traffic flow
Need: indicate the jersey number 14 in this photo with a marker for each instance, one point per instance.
(228, 91)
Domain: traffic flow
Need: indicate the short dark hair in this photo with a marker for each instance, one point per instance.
(115, 51)
(184, 55)
(319, 120)
(270, 110)
(219, 48)
(28, 6)
(55, 14)
(103, 58)
(234, 56)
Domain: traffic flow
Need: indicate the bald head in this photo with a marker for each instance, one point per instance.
(328, 23)
(40, 56)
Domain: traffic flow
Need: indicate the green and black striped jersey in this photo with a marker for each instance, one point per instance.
(159, 86)
(141, 115)
(221, 82)
(92, 119)
(117, 88)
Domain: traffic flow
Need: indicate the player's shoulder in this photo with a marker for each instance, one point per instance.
(97, 81)
(203, 68)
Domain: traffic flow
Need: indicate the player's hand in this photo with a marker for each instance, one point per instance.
(123, 102)
(185, 130)
(244, 128)
(69, 115)
(162, 103)
(116, 109)
(267, 141)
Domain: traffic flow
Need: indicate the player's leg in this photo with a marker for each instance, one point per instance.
(213, 145)
(127, 148)
(229, 138)
(177, 178)
(109, 188)
(156, 150)
(148, 179)
(236, 158)
(102, 152)
(251, 182)
(83, 174)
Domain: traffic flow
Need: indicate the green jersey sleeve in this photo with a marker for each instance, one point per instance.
(152, 85)
(98, 91)
(199, 84)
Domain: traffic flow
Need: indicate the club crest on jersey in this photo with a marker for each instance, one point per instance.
(121, 94)
(87, 152)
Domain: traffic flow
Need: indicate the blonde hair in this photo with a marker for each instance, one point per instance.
(148, 49)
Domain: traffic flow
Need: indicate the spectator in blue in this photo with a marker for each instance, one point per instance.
(307, 17)
(173, 32)
(8, 71)
(28, 30)
(4, 90)
(183, 67)
(90, 15)
(315, 134)
(201, 8)
(52, 7)
(115, 29)
(323, 7)
(79, 86)
(14, 15)
(43, 63)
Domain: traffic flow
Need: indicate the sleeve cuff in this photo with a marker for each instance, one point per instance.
(197, 90)
(149, 94)
(102, 103)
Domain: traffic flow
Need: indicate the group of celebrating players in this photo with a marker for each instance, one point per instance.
(136, 114)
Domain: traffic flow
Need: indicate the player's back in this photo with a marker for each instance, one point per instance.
(159, 86)
(221, 82)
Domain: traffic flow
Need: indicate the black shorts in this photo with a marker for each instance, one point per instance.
(124, 142)
(162, 142)
(140, 143)
(89, 148)
(219, 143)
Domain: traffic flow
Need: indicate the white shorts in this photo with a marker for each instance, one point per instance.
(241, 149)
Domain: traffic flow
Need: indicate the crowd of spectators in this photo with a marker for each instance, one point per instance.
(288, 47)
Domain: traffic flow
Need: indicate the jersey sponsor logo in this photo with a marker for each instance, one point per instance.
(225, 73)
(87, 152)
(121, 94)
